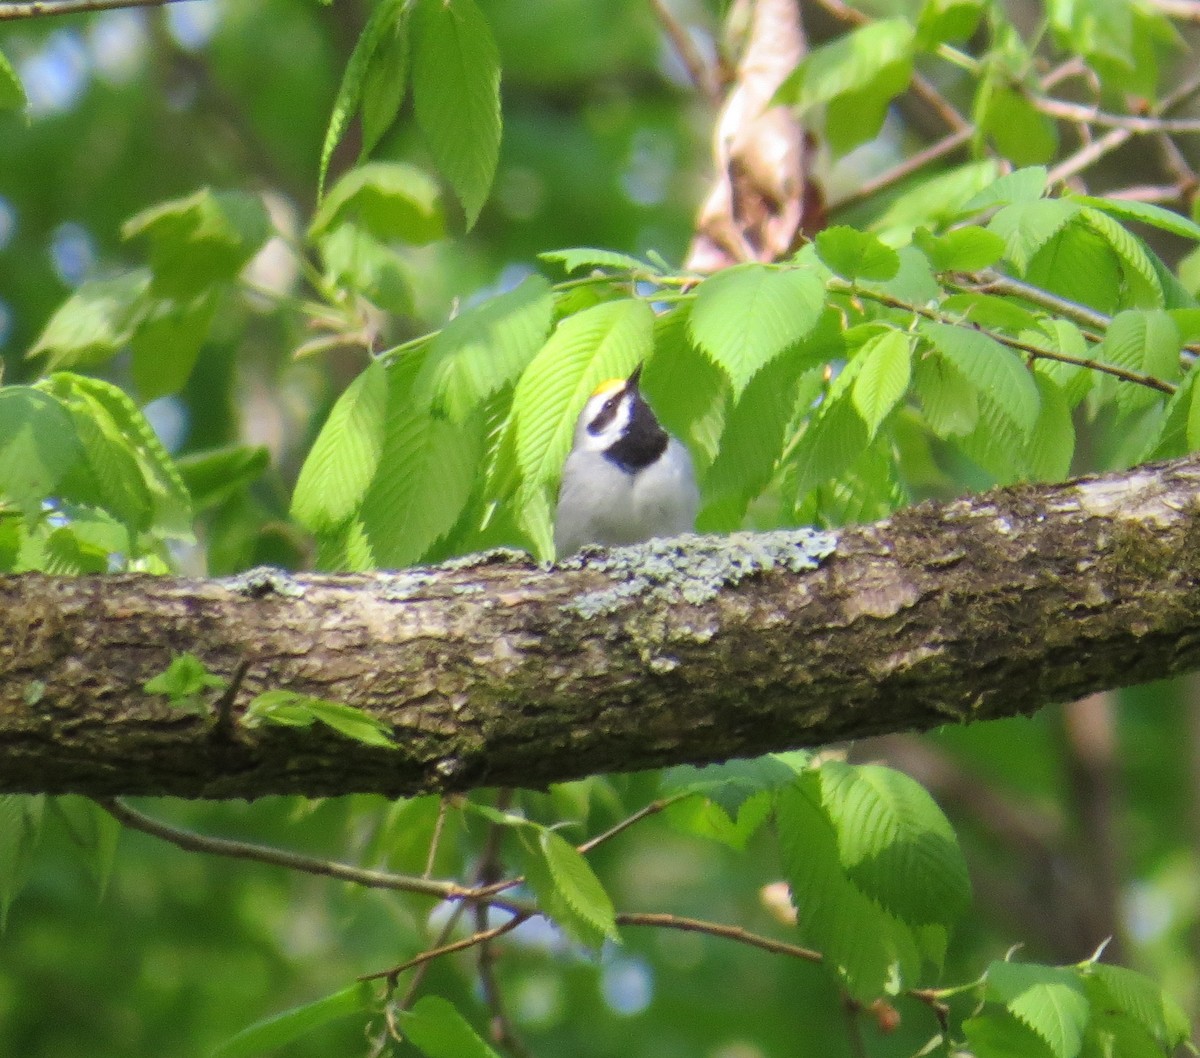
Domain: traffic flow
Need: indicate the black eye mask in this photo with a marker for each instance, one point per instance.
(643, 441)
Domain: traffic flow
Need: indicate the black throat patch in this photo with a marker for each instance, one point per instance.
(643, 441)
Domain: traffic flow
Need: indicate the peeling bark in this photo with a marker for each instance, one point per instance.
(496, 671)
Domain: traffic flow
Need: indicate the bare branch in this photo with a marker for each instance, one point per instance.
(47, 8)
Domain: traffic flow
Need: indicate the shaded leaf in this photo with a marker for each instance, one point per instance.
(272, 1033)
(1049, 999)
(38, 446)
(12, 93)
(456, 92)
(94, 324)
(388, 200)
(440, 1031)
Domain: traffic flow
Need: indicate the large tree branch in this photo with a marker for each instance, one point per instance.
(496, 671)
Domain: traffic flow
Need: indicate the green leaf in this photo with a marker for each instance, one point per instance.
(997, 1034)
(485, 348)
(456, 92)
(855, 76)
(274, 1032)
(185, 677)
(1026, 227)
(1052, 443)
(426, 473)
(965, 249)
(834, 436)
(605, 341)
(38, 446)
(1193, 420)
(94, 831)
(359, 262)
(12, 93)
(947, 20)
(1049, 999)
(1142, 998)
(386, 81)
(747, 315)
(859, 940)
(205, 238)
(1143, 212)
(1147, 343)
(895, 843)
(883, 378)
(94, 323)
(435, 1027)
(938, 199)
(345, 457)
(586, 257)
(388, 200)
(1021, 132)
(293, 709)
(992, 368)
(1141, 275)
(1021, 186)
(166, 343)
(20, 831)
(577, 883)
(1078, 264)
(550, 899)
(128, 471)
(948, 398)
(854, 254)
(216, 475)
(374, 57)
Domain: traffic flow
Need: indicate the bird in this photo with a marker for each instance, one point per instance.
(626, 480)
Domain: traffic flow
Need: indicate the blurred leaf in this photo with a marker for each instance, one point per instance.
(375, 78)
(745, 316)
(1140, 273)
(272, 1033)
(342, 462)
(1052, 442)
(1026, 227)
(125, 468)
(293, 709)
(166, 342)
(883, 377)
(20, 831)
(38, 446)
(834, 436)
(854, 254)
(205, 238)
(12, 94)
(1080, 265)
(856, 75)
(456, 92)
(95, 323)
(361, 263)
(1020, 187)
(1049, 999)
(1146, 343)
(484, 348)
(387, 200)
(436, 1028)
(938, 199)
(1142, 998)
(1021, 132)
(947, 20)
(213, 476)
(94, 831)
(965, 249)
(587, 257)
(1144, 212)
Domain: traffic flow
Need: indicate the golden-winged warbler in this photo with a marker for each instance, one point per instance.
(626, 479)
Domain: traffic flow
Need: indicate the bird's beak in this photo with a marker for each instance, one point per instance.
(631, 383)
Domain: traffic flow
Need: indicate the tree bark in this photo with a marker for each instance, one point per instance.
(493, 670)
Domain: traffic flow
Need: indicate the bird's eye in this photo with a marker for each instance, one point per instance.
(611, 403)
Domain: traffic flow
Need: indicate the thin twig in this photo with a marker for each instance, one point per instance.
(902, 170)
(1057, 108)
(653, 808)
(243, 850)
(47, 8)
(223, 728)
(702, 72)
(718, 929)
(430, 954)
(436, 838)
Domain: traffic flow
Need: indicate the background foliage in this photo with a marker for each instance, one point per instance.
(209, 364)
